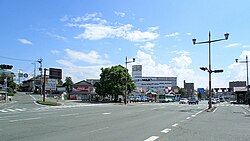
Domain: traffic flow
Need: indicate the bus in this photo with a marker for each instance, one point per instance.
(169, 98)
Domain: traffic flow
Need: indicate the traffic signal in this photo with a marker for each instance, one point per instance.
(3, 66)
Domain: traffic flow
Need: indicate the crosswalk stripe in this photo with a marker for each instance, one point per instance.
(21, 110)
(3, 111)
(11, 110)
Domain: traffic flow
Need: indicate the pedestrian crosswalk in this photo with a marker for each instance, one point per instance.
(12, 110)
(45, 108)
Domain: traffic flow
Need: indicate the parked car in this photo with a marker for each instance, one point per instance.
(214, 101)
(193, 100)
(183, 101)
(222, 99)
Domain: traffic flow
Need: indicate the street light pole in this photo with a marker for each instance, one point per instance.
(126, 83)
(237, 61)
(209, 62)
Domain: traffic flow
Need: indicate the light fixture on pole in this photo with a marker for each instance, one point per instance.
(126, 87)
(209, 70)
(247, 83)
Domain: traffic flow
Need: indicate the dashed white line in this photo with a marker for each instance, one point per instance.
(25, 119)
(215, 110)
(106, 113)
(188, 118)
(166, 130)
(69, 115)
(174, 125)
(152, 138)
(193, 115)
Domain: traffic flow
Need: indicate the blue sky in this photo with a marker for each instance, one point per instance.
(82, 36)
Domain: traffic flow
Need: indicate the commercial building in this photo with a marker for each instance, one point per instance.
(239, 89)
(155, 84)
(189, 89)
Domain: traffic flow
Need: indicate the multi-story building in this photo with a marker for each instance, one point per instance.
(156, 84)
(189, 89)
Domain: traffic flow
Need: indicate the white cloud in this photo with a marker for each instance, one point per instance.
(96, 28)
(237, 71)
(57, 36)
(172, 34)
(55, 51)
(120, 14)
(177, 67)
(148, 46)
(232, 45)
(181, 52)
(99, 31)
(139, 36)
(188, 34)
(92, 57)
(72, 70)
(25, 41)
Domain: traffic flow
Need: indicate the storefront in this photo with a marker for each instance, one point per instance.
(82, 90)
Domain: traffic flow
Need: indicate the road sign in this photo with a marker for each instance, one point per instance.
(51, 85)
(25, 75)
(201, 90)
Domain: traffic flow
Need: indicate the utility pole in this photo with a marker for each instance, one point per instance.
(44, 80)
(41, 72)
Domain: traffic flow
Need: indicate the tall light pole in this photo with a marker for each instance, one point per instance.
(209, 60)
(126, 83)
(237, 61)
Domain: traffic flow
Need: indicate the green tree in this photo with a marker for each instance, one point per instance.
(10, 83)
(68, 84)
(182, 91)
(113, 82)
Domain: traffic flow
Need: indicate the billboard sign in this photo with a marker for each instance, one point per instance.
(55, 73)
(51, 85)
(83, 89)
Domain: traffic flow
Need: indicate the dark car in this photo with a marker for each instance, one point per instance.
(193, 100)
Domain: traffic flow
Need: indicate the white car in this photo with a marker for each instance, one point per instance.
(183, 101)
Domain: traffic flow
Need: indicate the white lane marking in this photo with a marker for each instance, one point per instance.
(166, 130)
(3, 111)
(21, 110)
(26, 119)
(66, 115)
(188, 118)
(215, 110)
(97, 130)
(106, 113)
(152, 138)
(193, 115)
(11, 110)
(33, 97)
(174, 125)
(199, 112)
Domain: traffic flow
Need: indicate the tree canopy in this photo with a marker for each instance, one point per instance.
(113, 81)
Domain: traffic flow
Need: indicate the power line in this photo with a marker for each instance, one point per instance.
(17, 59)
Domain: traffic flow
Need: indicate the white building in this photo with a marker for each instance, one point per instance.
(156, 84)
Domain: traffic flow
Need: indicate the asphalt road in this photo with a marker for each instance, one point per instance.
(115, 122)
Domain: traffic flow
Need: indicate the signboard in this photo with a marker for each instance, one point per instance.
(201, 90)
(81, 89)
(55, 73)
(51, 85)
